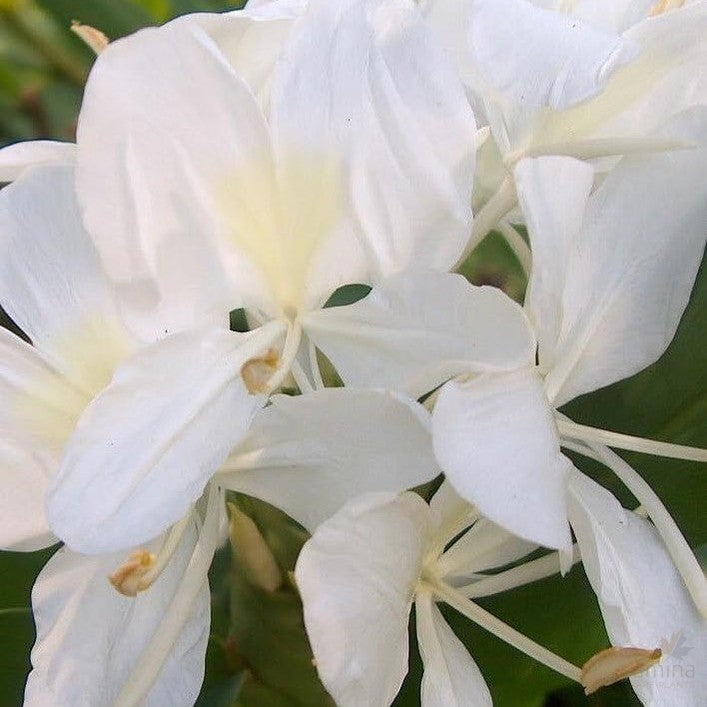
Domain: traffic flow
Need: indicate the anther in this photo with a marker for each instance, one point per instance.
(257, 372)
(614, 664)
(128, 579)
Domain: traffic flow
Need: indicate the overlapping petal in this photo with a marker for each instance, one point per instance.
(146, 447)
(641, 595)
(17, 158)
(537, 57)
(333, 444)
(497, 443)
(356, 576)
(90, 637)
(451, 678)
(51, 281)
(642, 236)
(416, 330)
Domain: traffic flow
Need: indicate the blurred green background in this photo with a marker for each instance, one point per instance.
(258, 655)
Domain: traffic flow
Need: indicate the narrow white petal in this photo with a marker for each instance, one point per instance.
(356, 577)
(89, 637)
(146, 447)
(16, 159)
(642, 597)
(414, 331)
(553, 194)
(496, 441)
(642, 237)
(484, 546)
(310, 454)
(451, 678)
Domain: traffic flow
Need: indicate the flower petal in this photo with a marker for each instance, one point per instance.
(145, 231)
(39, 411)
(90, 637)
(553, 194)
(496, 441)
(641, 595)
(415, 331)
(366, 82)
(556, 60)
(16, 159)
(642, 238)
(51, 281)
(310, 454)
(145, 448)
(451, 678)
(356, 577)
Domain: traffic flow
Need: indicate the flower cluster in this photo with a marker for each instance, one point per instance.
(259, 160)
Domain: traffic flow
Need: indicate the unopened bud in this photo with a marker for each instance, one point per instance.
(92, 37)
(127, 579)
(253, 552)
(614, 664)
(256, 372)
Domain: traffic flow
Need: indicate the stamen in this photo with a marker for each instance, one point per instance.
(505, 632)
(127, 578)
(150, 662)
(519, 576)
(91, 37)
(519, 247)
(256, 372)
(289, 355)
(614, 664)
(143, 567)
(594, 148)
(629, 442)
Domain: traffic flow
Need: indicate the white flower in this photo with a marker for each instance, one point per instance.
(356, 165)
(365, 567)
(590, 81)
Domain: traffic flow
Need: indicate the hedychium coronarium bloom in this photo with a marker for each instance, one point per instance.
(52, 285)
(588, 80)
(366, 566)
(347, 172)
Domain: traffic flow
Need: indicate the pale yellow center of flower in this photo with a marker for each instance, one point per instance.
(278, 216)
(614, 664)
(50, 405)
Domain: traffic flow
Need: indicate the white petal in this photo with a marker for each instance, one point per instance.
(51, 282)
(145, 448)
(553, 194)
(162, 223)
(556, 60)
(39, 411)
(415, 331)
(642, 238)
(365, 82)
(90, 637)
(496, 441)
(310, 454)
(484, 546)
(641, 595)
(665, 79)
(356, 577)
(451, 678)
(16, 159)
